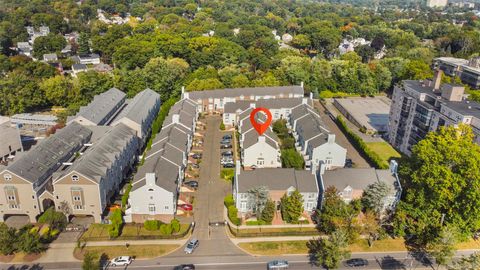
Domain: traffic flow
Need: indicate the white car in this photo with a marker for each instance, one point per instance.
(122, 260)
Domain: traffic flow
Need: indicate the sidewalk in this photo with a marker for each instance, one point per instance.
(237, 241)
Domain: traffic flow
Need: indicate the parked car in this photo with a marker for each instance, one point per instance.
(197, 156)
(224, 161)
(356, 262)
(277, 264)
(227, 137)
(225, 141)
(225, 146)
(195, 165)
(122, 260)
(228, 153)
(228, 165)
(191, 246)
(184, 267)
(186, 207)
(348, 163)
(192, 184)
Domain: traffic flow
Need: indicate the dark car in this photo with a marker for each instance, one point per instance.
(227, 153)
(348, 163)
(184, 267)
(225, 146)
(225, 141)
(192, 184)
(356, 262)
(229, 165)
(197, 156)
(227, 137)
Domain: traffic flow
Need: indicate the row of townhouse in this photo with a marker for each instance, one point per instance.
(156, 185)
(80, 167)
(214, 101)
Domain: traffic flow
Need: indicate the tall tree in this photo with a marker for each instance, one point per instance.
(471, 262)
(8, 238)
(443, 247)
(260, 197)
(329, 252)
(441, 180)
(83, 44)
(292, 206)
(48, 44)
(268, 212)
(90, 261)
(374, 196)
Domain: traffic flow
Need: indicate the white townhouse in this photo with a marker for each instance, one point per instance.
(313, 140)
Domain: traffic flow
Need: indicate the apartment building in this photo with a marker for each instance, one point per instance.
(467, 70)
(313, 140)
(140, 113)
(278, 182)
(102, 108)
(350, 183)
(25, 180)
(89, 184)
(419, 107)
(279, 107)
(156, 184)
(214, 100)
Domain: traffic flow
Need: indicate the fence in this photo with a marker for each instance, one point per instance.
(132, 232)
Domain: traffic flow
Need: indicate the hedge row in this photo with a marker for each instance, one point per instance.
(232, 211)
(372, 157)
(158, 122)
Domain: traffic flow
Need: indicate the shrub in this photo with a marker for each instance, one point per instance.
(222, 126)
(228, 200)
(257, 222)
(125, 195)
(233, 215)
(175, 225)
(117, 222)
(54, 218)
(227, 174)
(152, 225)
(371, 156)
(166, 229)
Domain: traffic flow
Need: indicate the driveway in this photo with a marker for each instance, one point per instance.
(17, 222)
(340, 137)
(208, 206)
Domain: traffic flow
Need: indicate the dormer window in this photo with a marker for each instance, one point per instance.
(7, 177)
(74, 177)
(150, 189)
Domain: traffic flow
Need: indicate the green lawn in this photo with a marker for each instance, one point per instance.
(99, 232)
(137, 251)
(384, 150)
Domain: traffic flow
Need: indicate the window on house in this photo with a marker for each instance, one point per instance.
(7, 177)
(76, 198)
(166, 207)
(150, 189)
(260, 161)
(14, 206)
(78, 207)
(11, 197)
(243, 205)
(74, 177)
(151, 207)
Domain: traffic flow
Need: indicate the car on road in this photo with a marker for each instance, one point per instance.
(192, 184)
(191, 246)
(186, 207)
(277, 264)
(348, 163)
(228, 165)
(121, 261)
(184, 267)
(197, 156)
(227, 137)
(356, 262)
(225, 146)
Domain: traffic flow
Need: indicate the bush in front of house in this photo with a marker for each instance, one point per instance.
(152, 225)
(166, 229)
(116, 225)
(233, 215)
(222, 126)
(175, 225)
(228, 200)
(55, 219)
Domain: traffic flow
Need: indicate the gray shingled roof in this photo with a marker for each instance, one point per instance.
(271, 103)
(101, 106)
(251, 138)
(357, 178)
(249, 91)
(277, 179)
(138, 108)
(40, 162)
(97, 159)
(10, 137)
(165, 172)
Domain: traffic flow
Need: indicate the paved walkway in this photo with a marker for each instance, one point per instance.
(239, 240)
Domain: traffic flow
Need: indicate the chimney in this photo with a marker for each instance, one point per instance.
(261, 138)
(301, 84)
(237, 169)
(437, 79)
(331, 138)
(150, 179)
(176, 118)
(310, 95)
(304, 100)
(252, 105)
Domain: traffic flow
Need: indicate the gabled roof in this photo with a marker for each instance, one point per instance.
(356, 178)
(248, 91)
(277, 179)
(166, 174)
(138, 108)
(251, 137)
(39, 163)
(97, 159)
(10, 138)
(271, 103)
(101, 106)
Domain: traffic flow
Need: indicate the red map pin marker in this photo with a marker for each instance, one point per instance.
(260, 127)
